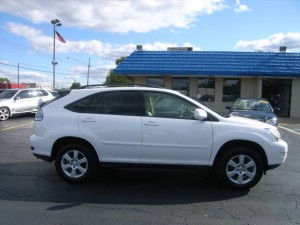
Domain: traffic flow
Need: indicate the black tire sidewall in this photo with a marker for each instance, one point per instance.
(83, 150)
(221, 168)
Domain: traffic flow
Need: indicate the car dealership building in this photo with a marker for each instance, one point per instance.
(217, 78)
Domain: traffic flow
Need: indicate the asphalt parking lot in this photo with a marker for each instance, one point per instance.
(32, 193)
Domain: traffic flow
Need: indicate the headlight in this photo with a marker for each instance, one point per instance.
(272, 121)
(274, 132)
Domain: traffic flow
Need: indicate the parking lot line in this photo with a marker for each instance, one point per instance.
(287, 129)
(10, 128)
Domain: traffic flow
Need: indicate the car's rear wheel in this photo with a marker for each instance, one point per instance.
(240, 167)
(4, 113)
(74, 163)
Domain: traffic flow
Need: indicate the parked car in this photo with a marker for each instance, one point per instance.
(142, 126)
(254, 108)
(17, 101)
(55, 93)
(1, 90)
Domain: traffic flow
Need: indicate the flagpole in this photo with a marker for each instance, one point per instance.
(55, 23)
(53, 61)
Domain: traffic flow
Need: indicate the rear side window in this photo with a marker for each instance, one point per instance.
(111, 102)
(24, 94)
(44, 93)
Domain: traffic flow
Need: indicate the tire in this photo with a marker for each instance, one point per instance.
(240, 168)
(74, 163)
(4, 113)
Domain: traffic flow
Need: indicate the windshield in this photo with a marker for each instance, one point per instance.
(8, 94)
(252, 104)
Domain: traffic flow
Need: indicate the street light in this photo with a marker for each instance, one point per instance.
(88, 72)
(55, 23)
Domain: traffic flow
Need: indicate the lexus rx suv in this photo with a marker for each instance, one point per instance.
(17, 101)
(143, 126)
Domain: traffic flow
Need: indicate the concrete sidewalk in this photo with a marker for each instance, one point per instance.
(286, 120)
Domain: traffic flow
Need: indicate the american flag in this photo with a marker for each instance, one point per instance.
(59, 37)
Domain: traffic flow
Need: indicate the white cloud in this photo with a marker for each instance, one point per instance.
(272, 43)
(121, 16)
(108, 51)
(240, 8)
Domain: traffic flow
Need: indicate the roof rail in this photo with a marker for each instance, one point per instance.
(118, 85)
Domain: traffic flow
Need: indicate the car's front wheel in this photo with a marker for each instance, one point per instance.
(74, 163)
(240, 167)
(4, 113)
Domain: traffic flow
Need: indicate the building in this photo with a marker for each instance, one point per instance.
(24, 85)
(218, 78)
(11, 86)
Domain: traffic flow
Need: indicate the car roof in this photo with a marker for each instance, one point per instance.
(21, 89)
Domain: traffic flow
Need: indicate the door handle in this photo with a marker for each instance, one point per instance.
(88, 120)
(151, 123)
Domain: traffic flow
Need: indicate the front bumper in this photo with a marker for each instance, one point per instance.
(276, 153)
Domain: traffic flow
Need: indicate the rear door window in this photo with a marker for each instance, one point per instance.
(126, 103)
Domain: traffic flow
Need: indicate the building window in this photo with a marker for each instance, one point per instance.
(182, 85)
(231, 89)
(206, 89)
(157, 81)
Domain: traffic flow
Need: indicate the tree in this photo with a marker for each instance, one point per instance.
(114, 79)
(4, 80)
(75, 85)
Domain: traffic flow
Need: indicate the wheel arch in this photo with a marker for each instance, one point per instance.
(252, 145)
(75, 140)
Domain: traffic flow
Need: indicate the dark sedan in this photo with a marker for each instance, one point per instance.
(254, 108)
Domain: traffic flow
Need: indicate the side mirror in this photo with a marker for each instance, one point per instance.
(17, 98)
(200, 114)
(228, 107)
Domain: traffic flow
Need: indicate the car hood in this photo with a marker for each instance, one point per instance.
(248, 122)
(257, 115)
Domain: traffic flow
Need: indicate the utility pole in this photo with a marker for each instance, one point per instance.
(88, 75)
(18, 75)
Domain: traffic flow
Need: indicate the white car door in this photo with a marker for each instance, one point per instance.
(22, 102)
(171, 135)
(112, 121)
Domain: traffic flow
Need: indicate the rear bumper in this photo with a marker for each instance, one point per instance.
(41, 147)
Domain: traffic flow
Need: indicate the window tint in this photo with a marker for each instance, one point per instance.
(231, 89)
(206, 89)
(110, 102)
(36, 93)
(24, 94)
(182, 85)
(167, 106)
(158, 81)
(44, 93)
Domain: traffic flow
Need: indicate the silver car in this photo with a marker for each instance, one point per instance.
(17, 101)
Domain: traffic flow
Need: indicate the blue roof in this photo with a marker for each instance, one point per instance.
(210, 63)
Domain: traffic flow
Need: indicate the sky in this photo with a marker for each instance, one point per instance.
(101, 31)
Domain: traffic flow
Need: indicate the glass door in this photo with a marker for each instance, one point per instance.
(278, 93)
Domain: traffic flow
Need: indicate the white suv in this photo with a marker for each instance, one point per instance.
(151, 126)
(16, 101)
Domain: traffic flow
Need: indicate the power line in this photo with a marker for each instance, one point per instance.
(27, 68)
(38, 70)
